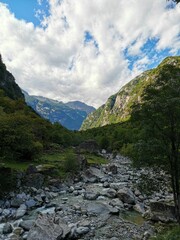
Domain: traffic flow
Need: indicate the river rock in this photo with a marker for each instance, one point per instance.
(91, 195)
(116, 202)
(126, 196)
(116, 186)
(31, 203)
(93, 174)
(27, 224)
(106, 185)
(16, 202)
(112, 168)
(45, 228)
(82, 230)
(110, 193)
(21, 211)
(139, 207)
(7, 228)
(97, 208)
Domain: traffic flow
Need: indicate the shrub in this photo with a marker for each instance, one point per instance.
(71, 163)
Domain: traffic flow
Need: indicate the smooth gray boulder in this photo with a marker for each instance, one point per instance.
(31, 203)
(95, 208)
(21, 211)
(91, 195)
(126, 196)
(82, 230)
(27, 224)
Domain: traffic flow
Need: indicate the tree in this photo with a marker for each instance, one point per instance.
(159, 116)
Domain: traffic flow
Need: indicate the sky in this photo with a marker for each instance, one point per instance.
(85, 50)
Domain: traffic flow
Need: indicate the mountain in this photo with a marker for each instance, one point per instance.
(8, 84)
(70, 115)
(77, 105)
(118, 106)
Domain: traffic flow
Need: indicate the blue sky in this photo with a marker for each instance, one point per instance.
(26, 9)
(85, 50)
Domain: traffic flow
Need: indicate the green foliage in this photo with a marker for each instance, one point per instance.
(71, 163)
(7, 180)
(148, 185)
(95, 159)
(172, 234)
(158, 117)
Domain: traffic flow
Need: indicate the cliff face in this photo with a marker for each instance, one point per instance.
(8, 84)
(118, 106)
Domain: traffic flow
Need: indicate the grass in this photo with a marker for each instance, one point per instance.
(54, 159)
(95, 159)
(173, 233)
(18, 166)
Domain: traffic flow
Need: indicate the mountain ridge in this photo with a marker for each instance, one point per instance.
(70, 114)
(118, 106)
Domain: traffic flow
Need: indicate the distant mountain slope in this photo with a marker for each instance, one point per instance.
(8, 84)
(118, 106)
(80, 106)
(70, 115)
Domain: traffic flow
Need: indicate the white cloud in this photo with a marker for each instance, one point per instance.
(54, 61)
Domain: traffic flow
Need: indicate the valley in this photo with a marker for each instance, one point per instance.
(116, 178)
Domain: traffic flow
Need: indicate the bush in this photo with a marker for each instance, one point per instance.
(71, 163)
(7, 180)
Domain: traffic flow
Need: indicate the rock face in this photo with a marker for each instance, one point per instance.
(70, 115)
(8, 84)
(118, 106)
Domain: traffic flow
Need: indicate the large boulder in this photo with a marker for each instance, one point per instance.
(161, 211)
(93, 174)
(89, 146)
(126, 196)
(45, 228)
(97, 209)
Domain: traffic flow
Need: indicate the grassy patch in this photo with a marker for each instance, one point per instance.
(95, 159)
(173, 233)
(58, 160)
(14, 165)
